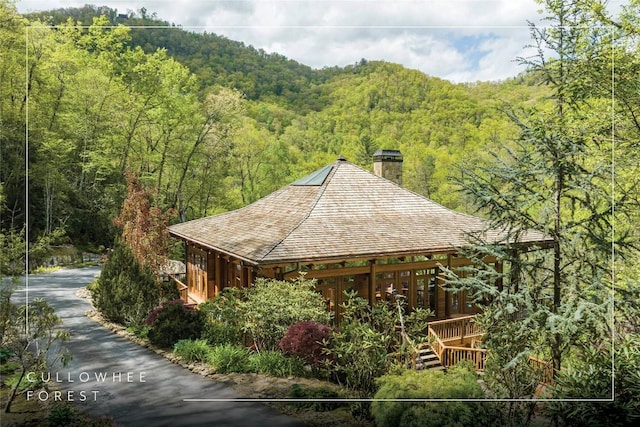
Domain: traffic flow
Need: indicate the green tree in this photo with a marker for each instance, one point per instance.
(604, 372)
(554, 180)
(34, 336)
(550, 183)
(126, 292)
(357, 350)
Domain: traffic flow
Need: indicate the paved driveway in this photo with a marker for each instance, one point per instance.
(110, 375)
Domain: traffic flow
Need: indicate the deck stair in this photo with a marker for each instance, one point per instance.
(427, 359)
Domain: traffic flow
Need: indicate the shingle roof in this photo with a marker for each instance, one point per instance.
(349, 213)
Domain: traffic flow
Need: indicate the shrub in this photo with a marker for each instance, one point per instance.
(125, 292)
(62, 415)
(307, 341)
(193, 351)
(457, 383)
(357, 351)
(140, 331)
(222, 318)
(174, 321)
(315, 395)
(66, 415)
(271, 306)
(229, 358)
(276, 364)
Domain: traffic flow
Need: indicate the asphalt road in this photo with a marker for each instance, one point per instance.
(112, 376)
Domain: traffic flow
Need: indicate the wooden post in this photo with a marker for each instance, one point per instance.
(218, 271)
(249, 276)
(515, 271)
(372, 282)
(499, 283)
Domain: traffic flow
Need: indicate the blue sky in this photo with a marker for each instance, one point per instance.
(458, 40)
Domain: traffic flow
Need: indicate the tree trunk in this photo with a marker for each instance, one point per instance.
(14, 391)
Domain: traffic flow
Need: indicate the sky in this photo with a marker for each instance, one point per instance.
(457, 40)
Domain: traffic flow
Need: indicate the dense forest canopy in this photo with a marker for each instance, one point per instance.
(211, 124)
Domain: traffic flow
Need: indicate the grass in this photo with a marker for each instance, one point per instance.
(226, 358)
(45, 269)
(276, 364)
(193, 351)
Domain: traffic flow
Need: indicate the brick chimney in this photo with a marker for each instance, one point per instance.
(388, 164)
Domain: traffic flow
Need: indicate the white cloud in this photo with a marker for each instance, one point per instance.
(459, 40)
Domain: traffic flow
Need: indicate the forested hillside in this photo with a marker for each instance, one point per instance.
(211, 124)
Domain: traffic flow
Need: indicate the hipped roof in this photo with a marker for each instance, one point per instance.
(339, 212)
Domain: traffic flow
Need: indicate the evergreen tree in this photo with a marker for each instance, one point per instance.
(126, 292)
(555, 180)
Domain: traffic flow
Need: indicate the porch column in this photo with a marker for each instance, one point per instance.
(372, 282)
(218, 270)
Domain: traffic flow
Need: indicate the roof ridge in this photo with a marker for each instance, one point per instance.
(324, 186)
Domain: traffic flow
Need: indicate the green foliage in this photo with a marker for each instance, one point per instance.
(126, 292)
(140, 331)
(357, 351)
(62, 415)
(12, 252)
(7, 367)
(589, 375)
(554, 179)
(222, 318)
(230, 358)
(210, 124)
(192, 350)
(173, 322)
(8, 312)
(276, 364)
(271, 306)
(459, 382)
(509, 375)
(16, 379)
(314, 396)
(35, 340)
(66, 415)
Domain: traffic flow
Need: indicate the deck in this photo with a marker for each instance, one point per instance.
(460, 338)
(457, 339)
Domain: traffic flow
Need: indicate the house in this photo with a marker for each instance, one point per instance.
(349, 229)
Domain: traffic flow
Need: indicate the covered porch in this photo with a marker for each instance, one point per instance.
(419, 279)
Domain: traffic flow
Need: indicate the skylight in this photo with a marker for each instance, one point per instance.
(316, 178)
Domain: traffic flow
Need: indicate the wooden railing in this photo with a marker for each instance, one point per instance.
(460, 330)
(544, 369)
(456, 329)
(453, 355)
(443, 333)
(182, 288)
(436, 344)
